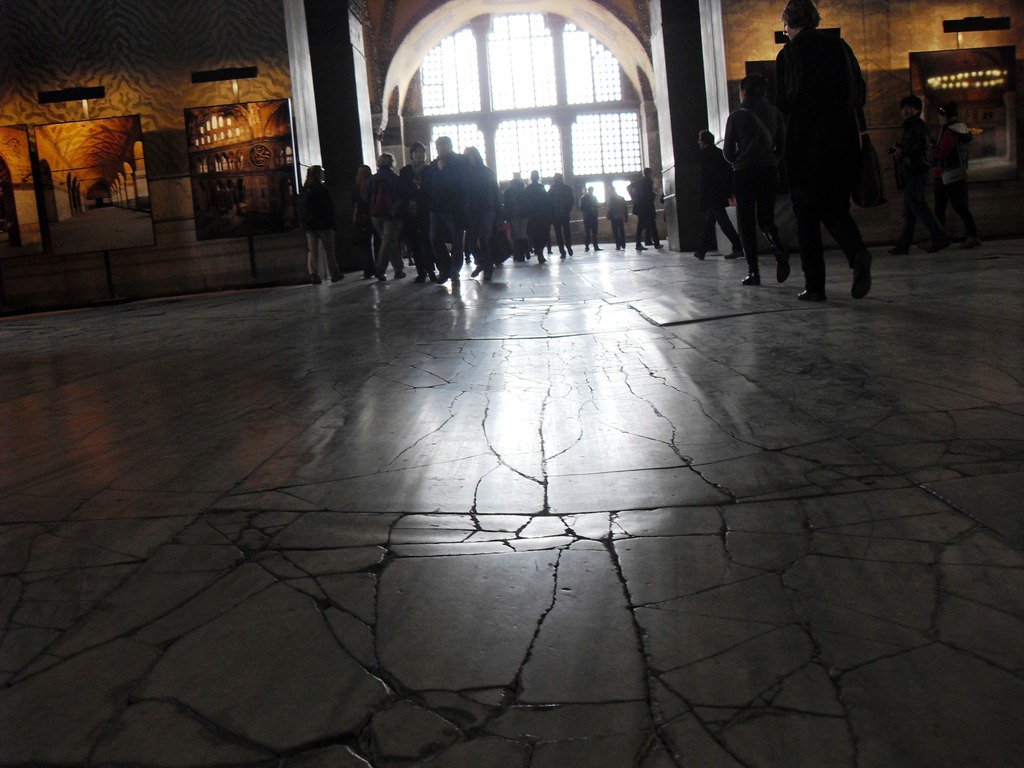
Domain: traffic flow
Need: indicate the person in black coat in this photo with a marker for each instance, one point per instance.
(642, 192)
(319, 224)
(820, 90)
(561, 201)
(715, 191)
(446, 191)
(416, 213)
(538, 215)
(483, 207)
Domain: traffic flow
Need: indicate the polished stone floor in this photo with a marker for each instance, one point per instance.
(617, 511)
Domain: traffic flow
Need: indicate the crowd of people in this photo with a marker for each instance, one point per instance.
(451, 212)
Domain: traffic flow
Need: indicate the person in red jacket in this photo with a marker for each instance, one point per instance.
(950, 154)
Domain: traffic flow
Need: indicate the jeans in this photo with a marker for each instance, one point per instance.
(814, 207)
(915, 207)
(313, 239)
(755, 201)
(390, 231)
(708, 241)
(955, 193)
(619, 232)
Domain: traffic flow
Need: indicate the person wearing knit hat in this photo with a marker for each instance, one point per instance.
(913, 152)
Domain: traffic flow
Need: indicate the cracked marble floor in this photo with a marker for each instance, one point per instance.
(617, 511)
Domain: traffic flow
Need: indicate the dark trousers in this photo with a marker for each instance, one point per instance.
(755, 207)
(590, 230)
(538, 230)
(708, 241)
(830, 208)
(647, 229)
(443, 226)
(563, 234)
(916, 207)
(955, 193)
(478, 240)
(619, 232)
(416, 236)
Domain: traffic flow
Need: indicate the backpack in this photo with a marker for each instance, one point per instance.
(381, 202)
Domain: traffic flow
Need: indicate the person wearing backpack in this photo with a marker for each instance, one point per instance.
(950, 155)
(319, 224)
(914, 154)
(384, 201)
(755, 137)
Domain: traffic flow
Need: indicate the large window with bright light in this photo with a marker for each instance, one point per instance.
(556, 97)
(450, 76)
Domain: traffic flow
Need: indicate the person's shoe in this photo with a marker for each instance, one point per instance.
(336, 278)
(550, 252)
(432, 276)
(640, 247)
(752, 279)
(314, 278)
(657, 246)
(809, 295)
(562, 257)
(399, 275)
(972, 241)
(477, 271)
(861, 275)
(382, 278)
(570, 250)
(541, 259)
(934, 247)
(487, 277)
(700, 255)
(586, 249)
(736, 254)
(596, 249)
(899, 250)
(420, 279)
(781, 266)
(442, 278)
(368, 275)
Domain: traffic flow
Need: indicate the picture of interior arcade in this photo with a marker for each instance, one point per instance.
(93, 185)
(242, 168)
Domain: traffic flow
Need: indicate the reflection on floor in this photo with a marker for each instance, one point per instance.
(614, 511)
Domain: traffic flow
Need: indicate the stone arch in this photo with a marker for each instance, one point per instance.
(452, 16)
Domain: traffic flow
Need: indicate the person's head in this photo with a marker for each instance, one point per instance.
(754, 86)
(473, 155)
(647, 173)
(799, 15)
(314, 175)
(706, 139)
(363, 174)
(387, 160)
(590, 190)
(535, 176)
(417, 152)
(909, 106)
(948, 113)
(443, 145)
(557, 178)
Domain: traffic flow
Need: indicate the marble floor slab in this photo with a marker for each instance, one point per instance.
(616, 510)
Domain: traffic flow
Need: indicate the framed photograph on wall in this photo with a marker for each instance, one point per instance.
(983, 83)
(242, 166)
(19, 214)
(93, 186)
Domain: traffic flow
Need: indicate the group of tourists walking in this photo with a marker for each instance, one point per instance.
(451, 212)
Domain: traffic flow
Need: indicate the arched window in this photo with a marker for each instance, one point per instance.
(551, 96)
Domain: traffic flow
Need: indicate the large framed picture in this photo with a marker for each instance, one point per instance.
(242, 166)
(983, 83)
(93, 186)
(19, 214)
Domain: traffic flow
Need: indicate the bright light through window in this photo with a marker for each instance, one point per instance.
(591, 71)
(528, 145)
(450, 76)
(462, 135)
(606, 143)
(522, 62)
